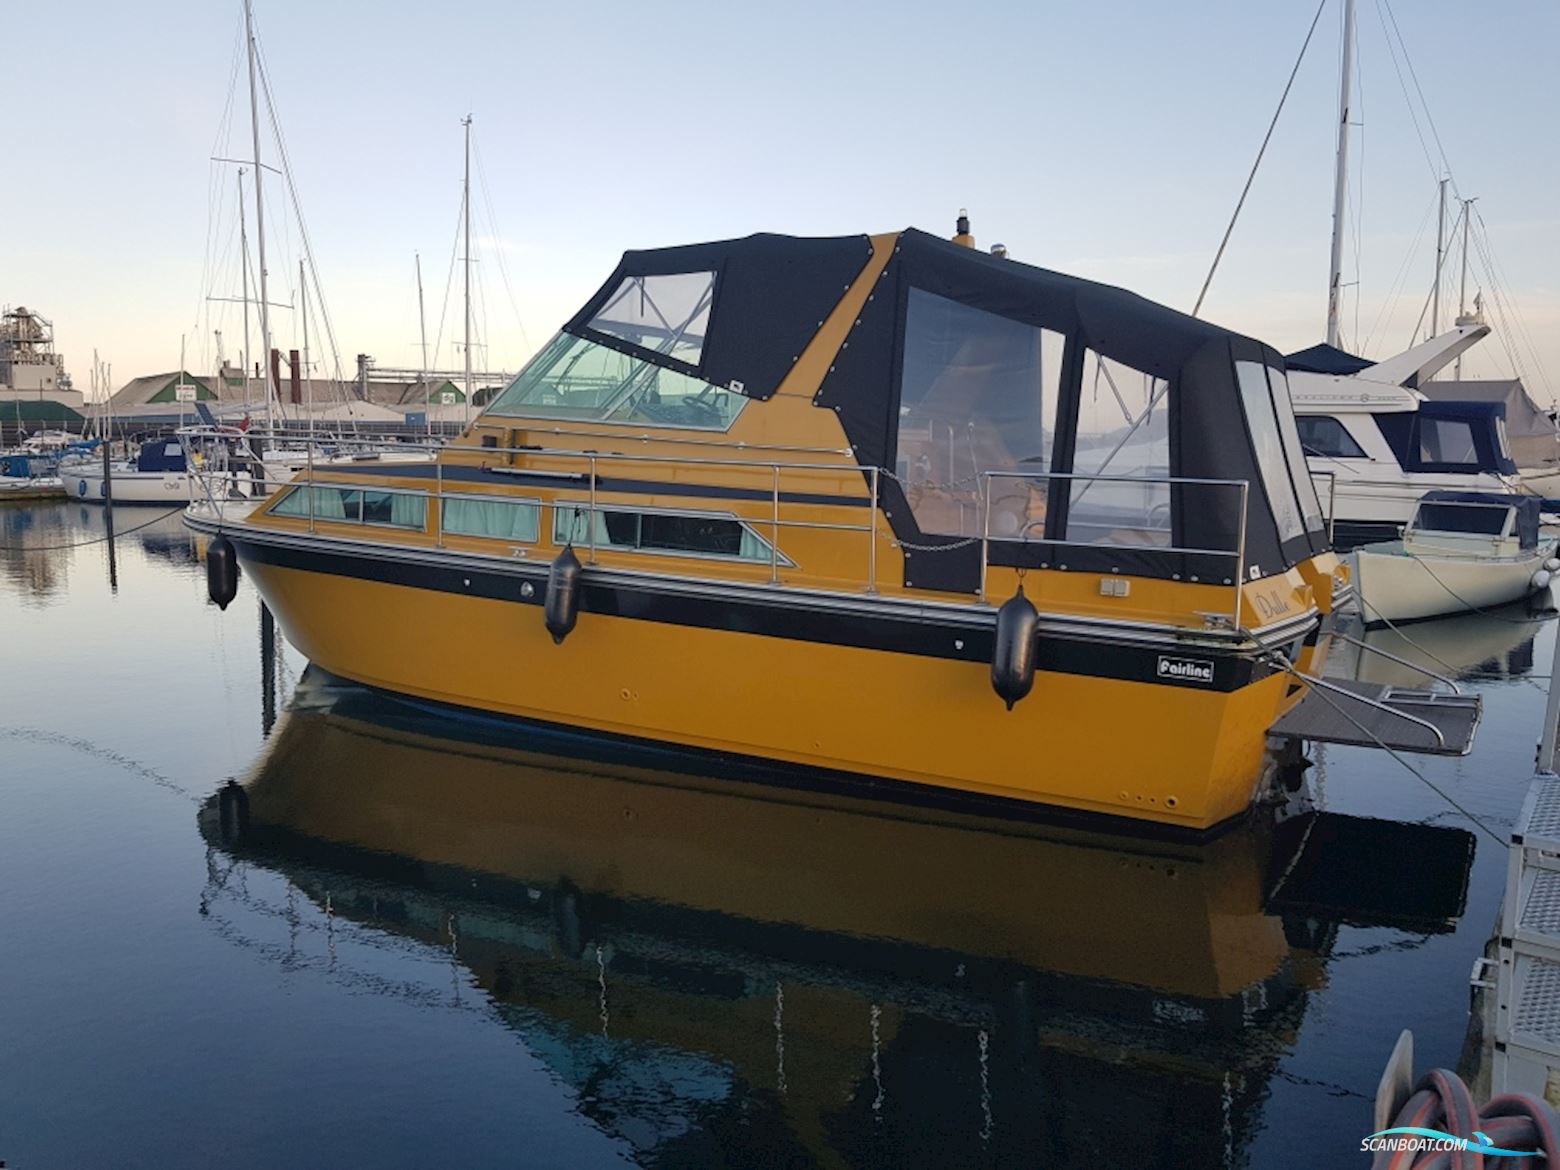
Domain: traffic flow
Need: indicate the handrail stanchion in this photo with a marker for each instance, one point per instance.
(774, 525)
(985, 530)
(1332, 506)
(438, 503)
(872, 533)
(590, 524)
(311, 488)
(1240, 552)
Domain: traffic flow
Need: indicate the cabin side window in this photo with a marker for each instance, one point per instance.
(1327, 438)
(676, 533)
(576, 378)
(1122, 458)
(512, 520)
(977, 394)
(1299, 470)
(354, 505)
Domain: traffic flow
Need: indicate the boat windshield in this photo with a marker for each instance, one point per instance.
(575, 378)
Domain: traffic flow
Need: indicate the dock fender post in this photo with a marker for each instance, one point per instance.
(221, 571)
(1013, 656)
(562, 607)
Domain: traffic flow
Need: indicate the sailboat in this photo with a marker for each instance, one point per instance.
(1375, 443)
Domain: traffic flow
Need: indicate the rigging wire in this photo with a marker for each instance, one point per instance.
(1266, 138)
(1388, 310)
(1413, 339)
(214, 183)
(322, 306)
(449, 283)
(1413, 114)
(1495, 274)
(1499, 303)
(503, 268)
(1484, 243)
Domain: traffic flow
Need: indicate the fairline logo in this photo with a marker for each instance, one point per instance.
(1186, 669)
(1415, 1139)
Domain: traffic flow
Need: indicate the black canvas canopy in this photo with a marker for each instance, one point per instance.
(738, 313)
(1195, 359)
(768, 296)
(1327, 359)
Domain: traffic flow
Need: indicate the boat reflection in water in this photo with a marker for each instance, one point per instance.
(1495, 644)
(712, 964)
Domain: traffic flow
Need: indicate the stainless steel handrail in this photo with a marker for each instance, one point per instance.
(776, 471)
(1238, 553)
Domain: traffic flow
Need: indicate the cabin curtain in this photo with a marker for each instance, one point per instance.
(502, 519)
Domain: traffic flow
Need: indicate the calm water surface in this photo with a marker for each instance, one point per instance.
(255, 917)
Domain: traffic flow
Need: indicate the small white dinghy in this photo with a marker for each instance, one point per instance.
(1461, 551)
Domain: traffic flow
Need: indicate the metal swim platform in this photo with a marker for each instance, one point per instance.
(1364, 714)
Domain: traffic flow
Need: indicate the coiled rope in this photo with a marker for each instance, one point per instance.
(1442, 1104)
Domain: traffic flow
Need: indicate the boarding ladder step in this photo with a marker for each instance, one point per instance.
(1531, 1013)
(1538, 824)
(1346, 711)
(1526, 1052)
(1531, 920)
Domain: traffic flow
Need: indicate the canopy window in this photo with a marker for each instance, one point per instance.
(1461, 437)
(978, 394)
(1294, 453)
(667, 315)
(1268, 445)
(1445, 440)
(736, 314)
(1124, 434)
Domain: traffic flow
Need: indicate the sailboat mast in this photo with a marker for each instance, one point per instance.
(1341, 175)
(308, 371)
(243, 267)
(1440, 256)
(1462, 294)
(466, 204)
(422, 329)
(254, 126)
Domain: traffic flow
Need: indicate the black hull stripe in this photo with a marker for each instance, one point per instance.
(924, 637)
(581, 482)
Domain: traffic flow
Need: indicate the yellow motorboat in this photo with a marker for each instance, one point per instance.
(875, 507)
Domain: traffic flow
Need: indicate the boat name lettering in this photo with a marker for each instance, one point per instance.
(1186, 669)
(1271, 605)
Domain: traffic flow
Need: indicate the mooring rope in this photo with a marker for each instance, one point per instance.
(95, 540)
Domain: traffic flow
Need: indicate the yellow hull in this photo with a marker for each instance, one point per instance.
(1176, 755)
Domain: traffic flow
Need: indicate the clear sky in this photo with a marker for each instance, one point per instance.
(1108, 140)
